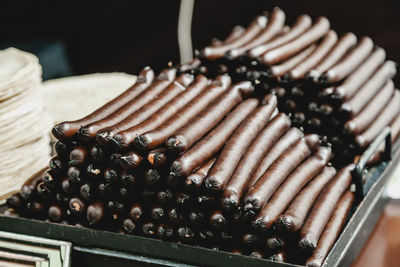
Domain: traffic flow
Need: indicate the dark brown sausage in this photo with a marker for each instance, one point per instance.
(29, 186)
(78, 156)
(323, 208)
(290, 63)
(295, 215)
(217, 220)
(276, 21)
(158, 157)
(134, 112)
(70, 128)
(77, 205)
(352, 83)
(235, 147)
(284, 143)
(344, 44)
(55, 213)
(367, 116)
(275, 243)
(387, 115)
(196, 126)
(176, 108)
(318, 30)
(349, 63)
(368, 91)
(136, 212)
(95, 213)
(259, 194)
(195, 180)
(265, 140)
(313, 59)
(212, 142)
(279, 201)
(332, 230)
(279, 256)
(302, 23)
(161, 108)
(235, 34)
(252, 31)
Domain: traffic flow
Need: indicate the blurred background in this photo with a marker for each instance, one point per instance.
(80, 37)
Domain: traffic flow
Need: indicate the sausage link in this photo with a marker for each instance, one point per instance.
(283, 144)
(236, 145)
(235, 34)
(345, 43)
(130, 160)
(302, 23)
(279, 201)
(195, 180)
(349, 63)
(158, 157)
(240, 179)
(332, 230)
(276, 22)
(295, 215)
(313, 59)
(367, 116)
(387, 115)
(368, 91)
(28, 188)
(352, 83)
(55, 213)
(195, 94)
(95, 213)
(259, 194)
(194, 130)
(279, 256)
(165, 105)
(164, 80)
(212, 142)
(275, 243)
(70, 128)
(78, 156)
(312, 35)
(323, 208)
(252, 31)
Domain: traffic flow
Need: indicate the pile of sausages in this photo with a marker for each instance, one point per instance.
(338, 87)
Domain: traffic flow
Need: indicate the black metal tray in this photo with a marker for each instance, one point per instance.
(101, 248)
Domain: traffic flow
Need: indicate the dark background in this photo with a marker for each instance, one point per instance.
(123, 35)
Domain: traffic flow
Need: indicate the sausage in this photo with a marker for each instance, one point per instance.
(130, 160)
(189, 67)
(352, 83)
(95, 213)
(188, 133)
(317, 31)
(367, 116)
(287, 65)
(86, 191)
(110, 175)
(251, 240)
(68, 129)
(323, 208)
(162, 107)
(36, 208)
(176, 216)
(255, 27)
(93, 172)
(158, 157)
(275, 243)
(61, 148)
(15, 201)
(157, 213)
(165, 197)
(164, 80)
(152, 177)
(183, 200)
(279, 256)
(364, 95)
(283, 144)
(49, 179)
(293, 218)
(155, 137)
(29, 186)
(205, 200)
(185, 234)
(261, 145)
(129, 179)
(195, 180)
(276, 22)
(166, 114)
(77, 206)
(165, 231)
(43, 191)
(217, 220)
(257, 254)
(136, 212)
(129, 226)
(387, 115)
(235, 34)
(349, 63)
(302, 23)
(260, 193)
(78, 156)
(279, 201)
(212, 142)
(332, 230)
(206, 237)
(299, 71)
(344, 44)
(196, 218)
(55, 213)
(98, 154)
(236, 145)
(326, 93)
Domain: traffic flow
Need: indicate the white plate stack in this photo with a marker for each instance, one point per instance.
(24, 123)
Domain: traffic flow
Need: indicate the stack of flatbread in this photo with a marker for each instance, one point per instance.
(24, 123)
